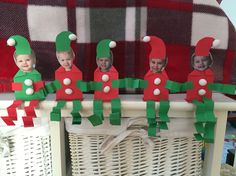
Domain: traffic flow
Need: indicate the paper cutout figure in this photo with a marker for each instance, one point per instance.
(27, 85)
(66, 79)
(200, 86)
(105, 73)
(158, 85)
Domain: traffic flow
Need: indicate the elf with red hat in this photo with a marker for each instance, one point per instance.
(158, 85)
(67, 77)
(199, 89)
(27, 85)
(106, 73)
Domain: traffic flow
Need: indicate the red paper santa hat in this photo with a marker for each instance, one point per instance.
(158, 48)
(204, 45)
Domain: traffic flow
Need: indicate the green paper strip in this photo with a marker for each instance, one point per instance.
(129, 83)
(53, 86)
(97, 117)
(223, 88)
(163, 125)
(55, 115)
(119, 83)
(209, 110)
(173, 86)
(98, 108)
(200, 111)
(150, 112)
(115, 116)
(75, 112)
(95, 120)
(186, 86)
(152, 129)
(209, 132)
(84, 87)
(198, 137)
(163, 111)
(199, 127)
(143, 83)
(95, 85)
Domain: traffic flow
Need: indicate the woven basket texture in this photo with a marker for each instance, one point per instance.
(29, 156)
(177, 156)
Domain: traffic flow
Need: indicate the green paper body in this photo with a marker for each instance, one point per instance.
(35, 76)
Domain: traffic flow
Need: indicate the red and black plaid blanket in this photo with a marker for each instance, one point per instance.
(180, 23)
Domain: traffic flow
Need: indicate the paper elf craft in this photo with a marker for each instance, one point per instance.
(158, 85)
(27, 85)
(68, 79)
(105, 73)
(199, 89)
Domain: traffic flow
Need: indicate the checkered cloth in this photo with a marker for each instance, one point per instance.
(180, 23)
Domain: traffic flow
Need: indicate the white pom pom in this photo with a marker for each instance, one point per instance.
(106, 89)
(72, 37)
(11, 42)
(215, 43)
(28, 82)
(146, 39)
(112, 44)
(29, 91)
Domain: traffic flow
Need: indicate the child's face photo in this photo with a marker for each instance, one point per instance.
(201, 63)
(157, 65)
(24, 62)
(104, 64)
(66, 60)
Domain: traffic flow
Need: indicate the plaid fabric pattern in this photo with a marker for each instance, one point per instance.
(180, 23)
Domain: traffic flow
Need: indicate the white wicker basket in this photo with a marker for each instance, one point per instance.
(28, 155)
(169, 156)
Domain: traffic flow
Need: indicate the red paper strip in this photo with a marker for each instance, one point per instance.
(11, 110)
(28, 121)
(29, 110)
(16, 86)
(38, 85)
(8, 121)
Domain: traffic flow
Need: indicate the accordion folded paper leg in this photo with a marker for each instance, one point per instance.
(152, 129)
(29, 110)
(75, 112)
(163, 125)
(11, 110)
(115, 116)
(8, 121)
(209, 134)
(198, 136)
(97, 117)
(151, 118)
(163, 114)
(150, 112)
(200, 111)
(209, 114)
(28, 121)
(199, 126)
(55, 115)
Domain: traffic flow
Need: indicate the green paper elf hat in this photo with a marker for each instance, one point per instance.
(21, 44)
(103, 48)
(63, 41)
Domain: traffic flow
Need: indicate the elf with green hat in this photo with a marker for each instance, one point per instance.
(27, 85)
(66, 79)
(105, 73)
